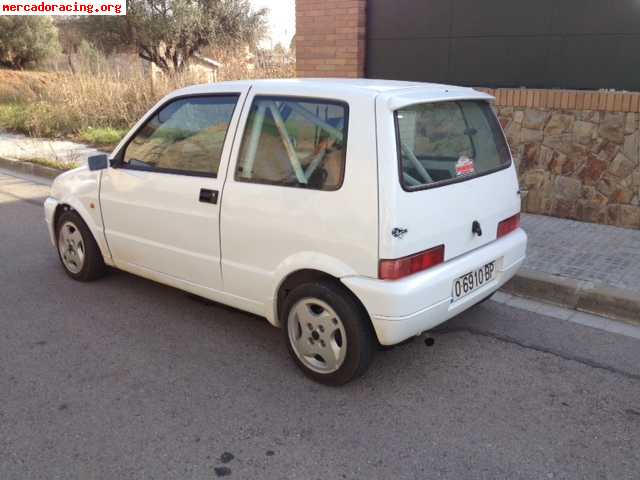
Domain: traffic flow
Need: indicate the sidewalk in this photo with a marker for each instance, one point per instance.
(596, 255)
(24, 154)
(20, 147)
(584, 266)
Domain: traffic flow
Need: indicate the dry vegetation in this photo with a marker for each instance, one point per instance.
(97, 107)
(236, 68)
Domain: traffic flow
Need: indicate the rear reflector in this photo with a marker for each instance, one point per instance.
(508, 225)
(402, 267)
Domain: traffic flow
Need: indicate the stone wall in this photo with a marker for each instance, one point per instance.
(577, 153)
(577, 164)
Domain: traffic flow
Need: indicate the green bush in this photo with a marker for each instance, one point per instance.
(45, 119)
(102, 136)
(63, 165)
(13, 116)
(38, 119)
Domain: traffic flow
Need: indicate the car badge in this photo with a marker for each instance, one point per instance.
(399, 232)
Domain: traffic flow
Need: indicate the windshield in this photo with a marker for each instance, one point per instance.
(444, 142)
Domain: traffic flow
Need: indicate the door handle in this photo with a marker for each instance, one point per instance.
(208, 196)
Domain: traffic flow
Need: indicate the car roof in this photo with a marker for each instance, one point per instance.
(347, 87)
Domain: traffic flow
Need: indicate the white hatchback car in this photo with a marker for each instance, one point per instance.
(351, 213)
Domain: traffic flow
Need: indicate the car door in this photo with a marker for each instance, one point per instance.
(288, 202)
(161, 199)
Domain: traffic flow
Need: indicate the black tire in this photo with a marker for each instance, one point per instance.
(360, 341)
(93, 266)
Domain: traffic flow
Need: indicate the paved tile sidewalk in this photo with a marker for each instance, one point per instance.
(595, 254)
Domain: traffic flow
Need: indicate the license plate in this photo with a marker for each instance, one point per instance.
(473, 280)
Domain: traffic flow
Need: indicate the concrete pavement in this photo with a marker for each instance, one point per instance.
(17, 146)
(124, 378)
(597, 255)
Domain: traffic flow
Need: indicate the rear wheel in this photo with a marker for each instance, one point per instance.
(77, 249)
(327, 332)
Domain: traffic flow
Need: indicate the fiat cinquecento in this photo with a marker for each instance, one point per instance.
(350, 213)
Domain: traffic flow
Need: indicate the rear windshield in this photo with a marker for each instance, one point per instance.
(444, 142)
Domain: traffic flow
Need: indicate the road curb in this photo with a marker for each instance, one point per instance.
(610, 302)
(29, 168)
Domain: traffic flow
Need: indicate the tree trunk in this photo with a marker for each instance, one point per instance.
(71, 67)
(170, 60)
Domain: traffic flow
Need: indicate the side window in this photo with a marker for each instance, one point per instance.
(294, 142)
(186, 135)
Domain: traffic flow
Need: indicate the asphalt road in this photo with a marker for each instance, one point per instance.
(124, 378)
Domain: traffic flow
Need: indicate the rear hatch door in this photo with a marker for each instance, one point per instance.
(446, 175)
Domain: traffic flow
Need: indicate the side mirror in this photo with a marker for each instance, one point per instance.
(98, 162)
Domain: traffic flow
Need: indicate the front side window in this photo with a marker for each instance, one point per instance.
(443, 142)
(294, 142)
(186, 135)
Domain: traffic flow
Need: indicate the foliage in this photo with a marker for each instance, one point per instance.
(73, 103)
(57, 164)
(170, 32)
(110, 34)
(13, 116)
(102, 135)
(70, 34)
(90, 55)
(46, 104)
(26, 40)
(279, 49)
(292, 46)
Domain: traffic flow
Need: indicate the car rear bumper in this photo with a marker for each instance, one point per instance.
(50, 205)
(404, 308)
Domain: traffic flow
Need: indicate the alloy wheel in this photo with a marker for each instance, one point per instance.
(317, 335)
(71, 247)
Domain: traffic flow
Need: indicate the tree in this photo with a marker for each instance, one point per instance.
(279, 49)
(170, 32)
(26, 40)
(292, 46)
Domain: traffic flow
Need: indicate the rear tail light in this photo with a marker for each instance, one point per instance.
(508, 225)
(402, 267)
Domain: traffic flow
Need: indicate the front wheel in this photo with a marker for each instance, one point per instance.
(78, 251)
(328, 334)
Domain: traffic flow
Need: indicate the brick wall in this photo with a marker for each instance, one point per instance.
(601, 101)
(330, 38)
(577, 152)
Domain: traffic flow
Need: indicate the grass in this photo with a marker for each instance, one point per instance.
(96, 107)
(102, 136)
(63, 165)
(23, 86)
(13, 116)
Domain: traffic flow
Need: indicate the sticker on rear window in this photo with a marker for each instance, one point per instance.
(464, 166)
